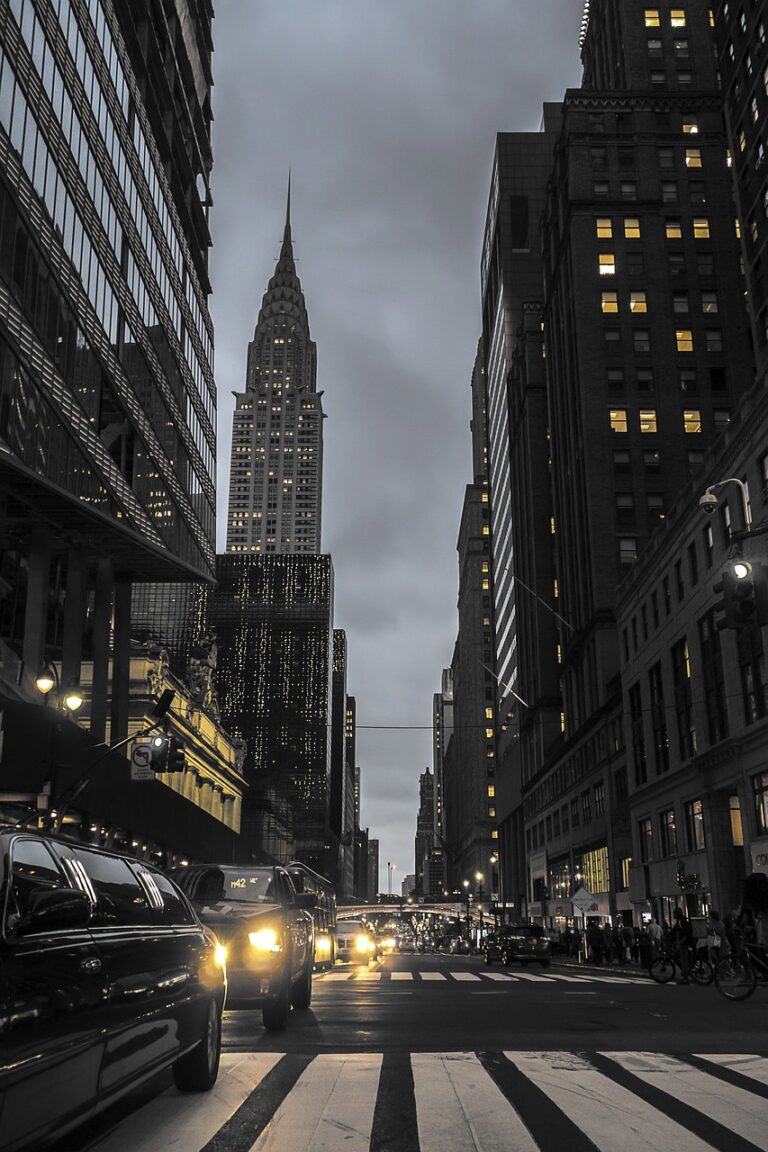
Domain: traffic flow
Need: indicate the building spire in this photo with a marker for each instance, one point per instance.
(287, 249)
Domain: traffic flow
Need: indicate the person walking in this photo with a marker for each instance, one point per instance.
(682, 938)
(655, 936)
(595, 942)
(630, 948)
(717, 937)
(608, 942)
(618, 942)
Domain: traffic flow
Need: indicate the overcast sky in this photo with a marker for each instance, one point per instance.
(386, 111)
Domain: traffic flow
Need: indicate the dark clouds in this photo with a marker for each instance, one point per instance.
(386, 111)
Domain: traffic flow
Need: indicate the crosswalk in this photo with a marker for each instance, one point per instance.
(490, 1101)
(366, 975)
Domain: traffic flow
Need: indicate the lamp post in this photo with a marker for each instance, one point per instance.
(479, 877)
(48, 680)
(467, 893)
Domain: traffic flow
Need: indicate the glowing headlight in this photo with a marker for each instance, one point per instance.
(323, 944)
(390, 942)
(363, 944)
(265, 940)
(220, 956)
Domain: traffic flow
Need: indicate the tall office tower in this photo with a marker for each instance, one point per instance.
(107, 397)
(342, 794)
(740, 32)
(276, 473)
(442, 729)
(274, 619)
(425, 836)
(647, 351)
(373, 869)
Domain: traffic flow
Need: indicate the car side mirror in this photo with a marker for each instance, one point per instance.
(305, 901)
(56, 908)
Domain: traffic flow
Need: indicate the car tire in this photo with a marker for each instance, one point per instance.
(544, 963)
(487, 958)
(274, 1016)
(302, 994)
(197, 1070)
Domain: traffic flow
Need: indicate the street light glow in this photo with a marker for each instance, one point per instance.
(73, 699)
(46, 681)
(741, 570)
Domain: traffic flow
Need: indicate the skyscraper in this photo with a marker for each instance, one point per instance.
(277, 431)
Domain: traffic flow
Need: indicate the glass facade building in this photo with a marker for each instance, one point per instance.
(107, 394)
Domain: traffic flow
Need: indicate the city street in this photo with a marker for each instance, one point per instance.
(440, 1052)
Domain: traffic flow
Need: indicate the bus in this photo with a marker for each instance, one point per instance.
(305, 880)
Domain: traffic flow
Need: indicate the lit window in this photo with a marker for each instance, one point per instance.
(604, 228)
(638, 302)
(647, 420)
(610, 302)
(692, 420)
(618, 419)
(674, 230)
(690, 127)
(652, 19)
(607, 263)
(737, 225)
(494, 834)
(684, 338)
(693, 158)
(491, 813)
(677, 17)
(632, 228)
(709, 302)
(491, 791)
(701, 228)
(489, 713)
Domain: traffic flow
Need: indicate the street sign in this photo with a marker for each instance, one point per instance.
(584, 901)
(141, 762)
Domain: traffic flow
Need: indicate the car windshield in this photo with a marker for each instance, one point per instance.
(530, 930)
(349, 927)
(222, 885)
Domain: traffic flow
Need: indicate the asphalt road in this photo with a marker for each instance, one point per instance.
(441, 1054)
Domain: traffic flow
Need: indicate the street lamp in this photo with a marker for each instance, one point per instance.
(479, 878)
(48, 680)
(468, 894)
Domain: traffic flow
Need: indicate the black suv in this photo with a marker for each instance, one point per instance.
(524, 942)
(106, 976)
(267, 930)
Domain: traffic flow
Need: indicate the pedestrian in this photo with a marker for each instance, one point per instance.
(576, 942)
(717, 937)
(630, 948)
(681, 936)
(655, 936)
(608, 942)
(618, 942)
(595, 942)
(644, 947)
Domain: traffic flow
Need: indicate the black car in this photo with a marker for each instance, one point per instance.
(267, 930)
(524, 942)
(106, 977)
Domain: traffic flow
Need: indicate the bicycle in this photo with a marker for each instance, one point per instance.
(736, 975)
(664, 967)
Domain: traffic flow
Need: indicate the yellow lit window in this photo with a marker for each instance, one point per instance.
(489, 733)
(484, 498)
(491, 813)
(638, 302)
(486, 530)
(692, 420)
(648, 420)
(618, 419)
(701, 228)
(604, 228)
(486, 585)
(559, 654)
(711, 12)
(693, 158)
(632, 228)
(562, 721)
(687, 659)
(489, 713)
(494, 835)
(652, 19)
(552, 525)
(555, 589)
(684, 338)
(737, 223)
(610, 302)
(491, 791)
(607, 263)
(690, 127)
(677, 17)
(674, 230)
(742, 140)
(486, 566)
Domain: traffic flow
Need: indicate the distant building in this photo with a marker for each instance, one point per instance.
(373, 869)
(273, 616)
(342, 789)
(275, 482)
(442, 730)
(425, 834)
(361, 889)
(408, 887)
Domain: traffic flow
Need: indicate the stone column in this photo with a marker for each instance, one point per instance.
(74, 616)
(121, 662)
(36, 611)
(102, 620)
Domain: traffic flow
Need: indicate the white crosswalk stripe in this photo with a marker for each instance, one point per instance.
(461, 1102)
(386, 975)
(432, 976)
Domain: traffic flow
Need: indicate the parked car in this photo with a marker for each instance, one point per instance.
(354, 942)
(106, 977)
(405, 942)
(524, 942)
(267, 930)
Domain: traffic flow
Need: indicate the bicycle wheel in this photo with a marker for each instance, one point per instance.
(735, 978)
(662, 970)
(701, 971)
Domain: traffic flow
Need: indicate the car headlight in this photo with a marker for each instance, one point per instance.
(220, 956)
(363, 944)
(265, 940)
(389, 942)
(323, 944)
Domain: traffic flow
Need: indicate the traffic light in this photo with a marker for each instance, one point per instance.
(744, 589)
(176, 758)
(158, 753)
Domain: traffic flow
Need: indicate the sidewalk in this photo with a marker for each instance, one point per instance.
(587, 966)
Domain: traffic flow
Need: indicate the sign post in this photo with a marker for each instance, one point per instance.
(141, 761)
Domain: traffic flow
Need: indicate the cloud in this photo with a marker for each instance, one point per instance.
(387, 114)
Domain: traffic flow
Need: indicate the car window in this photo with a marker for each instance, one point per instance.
(122, 900)
(214, 885)
(33, 869)
(175, 908)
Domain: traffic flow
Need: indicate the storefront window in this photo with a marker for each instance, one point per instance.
(760, 792)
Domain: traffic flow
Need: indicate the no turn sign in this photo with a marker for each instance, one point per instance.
(141, 762)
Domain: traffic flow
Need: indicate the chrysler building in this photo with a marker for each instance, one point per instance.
(277, 433)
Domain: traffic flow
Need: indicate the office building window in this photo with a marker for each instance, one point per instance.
(673, 229)
(694, 825)
(658, 719)
(632, 228)
(604, 228)
(621, 461)
(645, 837)
(760, 798)
(669, 192)
(655, 48)
(648, 420)
(644, 379)
(680, 302)
(654, 502)
(638, 302)
(638, 734)
(607, 264)
(614, 378)
(610, 302)
(709, 303)
(627, 549)
(692, 420)
(753, 674)
(701, 228)
(628, 190)
(667, 833)
(652, 19)
(713, 679)
(713, 339)
(635, 263)
(641, 340)
(693, 158)
(677, 18)
(684, 340)
(618, 418)
(652, 460)
(693, 563)
(682, 677)
(721, 418)
(688, 380)
(599, 799)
